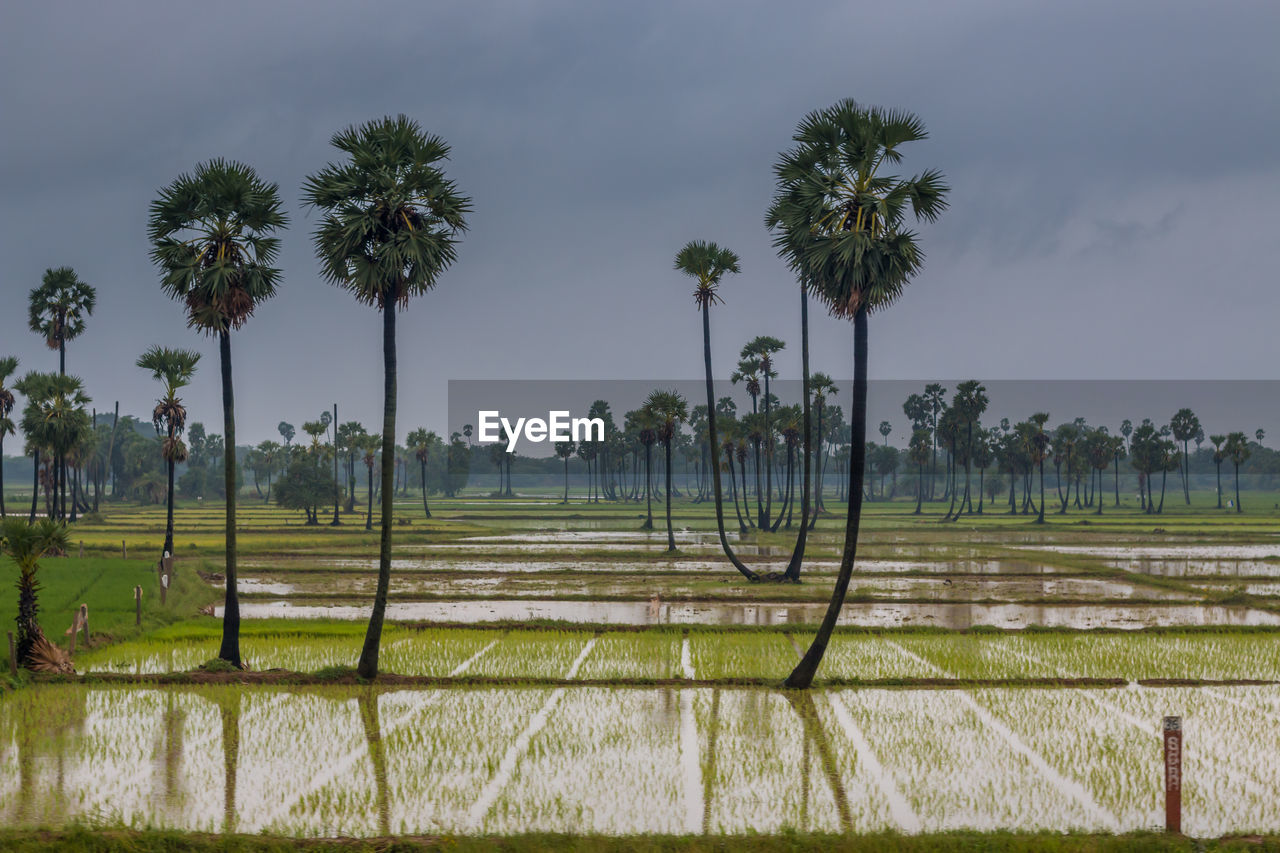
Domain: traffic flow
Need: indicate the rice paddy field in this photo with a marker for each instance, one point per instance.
(552, 669)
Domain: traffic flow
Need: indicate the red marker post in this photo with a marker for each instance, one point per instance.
(1173, 774)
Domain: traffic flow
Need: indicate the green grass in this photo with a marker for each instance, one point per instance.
(106, 585)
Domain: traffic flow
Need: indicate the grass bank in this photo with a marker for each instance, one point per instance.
(158, 841)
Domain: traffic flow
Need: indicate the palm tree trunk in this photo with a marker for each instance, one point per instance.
(168, 525)
(368, 518)
(337, 490)
(797, 553)
(1117, 467)
(230, 650)
(768, 458)
(802, 676)
(820, 468)
(368, 665)
(426, 508)
(671, 536)
(566, 481)
(3, 513)
(714, 442)
(1237, 466)
(1040, 516)
(1218, 464)
(35, 485)
(648, 487)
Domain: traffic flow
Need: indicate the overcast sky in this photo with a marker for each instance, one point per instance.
(1114, 169)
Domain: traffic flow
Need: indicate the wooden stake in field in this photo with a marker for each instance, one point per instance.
(1173, 774)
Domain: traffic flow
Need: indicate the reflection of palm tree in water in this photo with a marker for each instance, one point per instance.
(373, 736)
(229, 708)
(802, 703)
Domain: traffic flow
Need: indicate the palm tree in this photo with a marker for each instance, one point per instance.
(1237, 449)
(565, 450)
(8, 365)
(174, 368)
(26, 543)
(708, 264)
(840, 224)
(1219, 454)
(918, 454)
(56, 311)
(1185, 425)
(370, 445)
(668, 410)
(390, 225)
(212, 235)
(1038, 447)
(420, 441)
(821, 386)
(760, 351)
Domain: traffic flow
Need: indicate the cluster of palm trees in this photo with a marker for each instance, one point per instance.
(389, 224)
(839, 219)
(1081, 455)
(388, 228)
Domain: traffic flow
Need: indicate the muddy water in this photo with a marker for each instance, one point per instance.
(640, 585)
(878, 614)
(682, 564)
(358, 762)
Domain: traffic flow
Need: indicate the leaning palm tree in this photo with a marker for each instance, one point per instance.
(26, 543)
(173, 368)
(8, 365)
(708, 263)
(390, 225)
(841, 226)
(212, 236)
(668, 409)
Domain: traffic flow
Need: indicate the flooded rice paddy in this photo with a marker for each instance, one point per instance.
(359, 762)
(860, 614)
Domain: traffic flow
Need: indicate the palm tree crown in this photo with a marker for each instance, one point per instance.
(837, 220)
(211, 237)
(58, 307)
(391, 217)
(707, 263)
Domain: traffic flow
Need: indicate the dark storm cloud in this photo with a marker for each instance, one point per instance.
(1113, 167)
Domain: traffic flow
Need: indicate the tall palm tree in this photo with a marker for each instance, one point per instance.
(821, 386)
(708, 264)
(1237, 449)
(840, 225)
(56, 311)
(420, 441)
(565, 450)
(1219, 454)
(391, 220)
(1039, 450)
(8, 365)
(1185, 425)
(212, 236)
(26, 543)
(174, 369)
(668, 409)
(760, 352)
